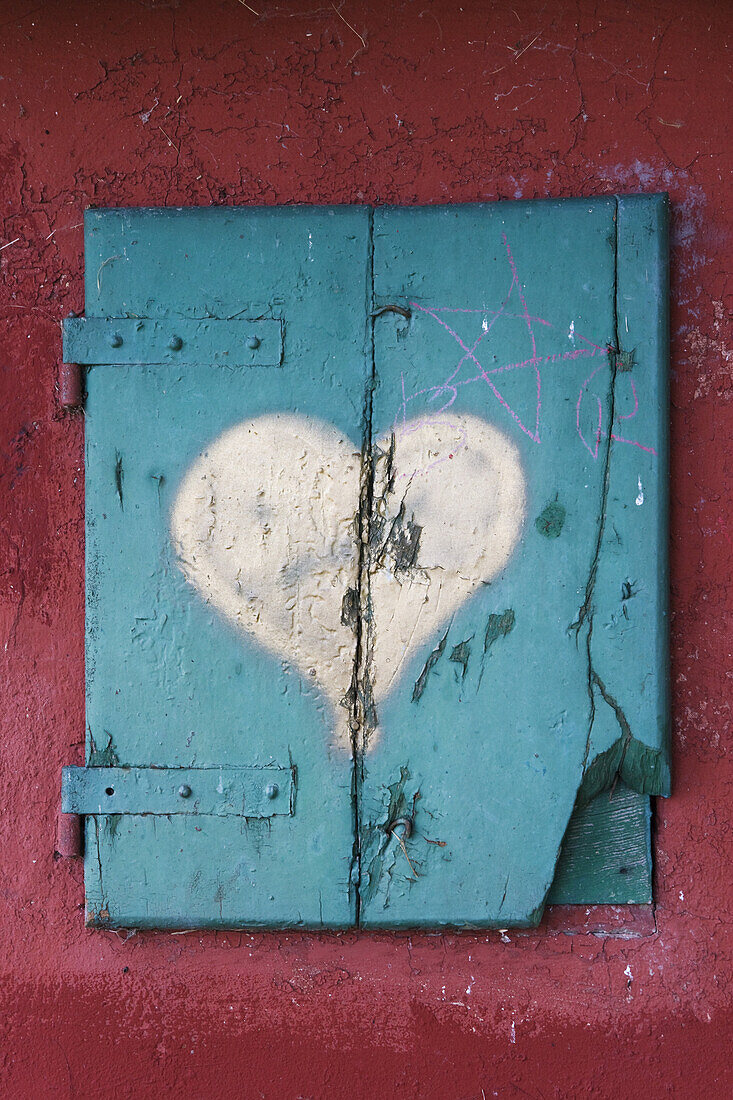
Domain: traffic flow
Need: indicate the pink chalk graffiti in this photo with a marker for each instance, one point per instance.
(450, 386)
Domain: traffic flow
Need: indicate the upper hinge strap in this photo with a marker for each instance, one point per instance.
(219, 792)
(119, 341)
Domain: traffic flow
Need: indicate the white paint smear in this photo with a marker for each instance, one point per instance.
(640, 495)
(264, 525)
(461, 481)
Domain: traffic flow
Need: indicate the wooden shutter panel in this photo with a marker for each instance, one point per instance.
(549, 320)
(376, 561)
(172, 682)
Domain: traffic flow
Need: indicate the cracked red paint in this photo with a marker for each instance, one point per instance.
(185, 103)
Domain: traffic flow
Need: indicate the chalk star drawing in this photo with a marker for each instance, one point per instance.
(461, 374)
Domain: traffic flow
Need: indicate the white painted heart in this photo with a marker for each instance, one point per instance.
(264, 524)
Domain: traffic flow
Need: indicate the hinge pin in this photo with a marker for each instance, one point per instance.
(70, 386)
(68, 836)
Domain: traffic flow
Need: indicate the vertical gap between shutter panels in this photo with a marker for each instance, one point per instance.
(361, 702)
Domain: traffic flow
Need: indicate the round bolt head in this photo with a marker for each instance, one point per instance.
(184, 790)
(253, 342)
(115, 340)
(175, 343)
(272, 790)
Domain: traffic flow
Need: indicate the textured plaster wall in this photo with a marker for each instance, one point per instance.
(213, 102)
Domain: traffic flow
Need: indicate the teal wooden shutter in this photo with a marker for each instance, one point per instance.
(546, 320)
(268, 309)
(376, 562)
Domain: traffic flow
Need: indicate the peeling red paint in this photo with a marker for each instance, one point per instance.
(190, 103)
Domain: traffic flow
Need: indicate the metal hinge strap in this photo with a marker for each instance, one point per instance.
(219, 792)
(101, 341)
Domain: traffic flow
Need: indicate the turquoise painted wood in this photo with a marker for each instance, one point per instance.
(376, 499)
(519, 317)
(171, 681)
(606, 853)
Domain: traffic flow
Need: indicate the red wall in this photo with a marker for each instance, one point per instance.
(197, 103)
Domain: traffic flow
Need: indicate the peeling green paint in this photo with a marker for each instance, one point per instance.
(102, 758)
(379, 835)
(119, 478)
(460, 654)
(498, 626)
(421, 682)
(405, 544)
(551, 520)
(350, 609)
(641, 767)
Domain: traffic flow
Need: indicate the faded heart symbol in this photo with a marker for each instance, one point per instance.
(265, 527)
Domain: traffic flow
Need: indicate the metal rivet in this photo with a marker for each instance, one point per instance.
(184, 790)
(175, 343)
(404, 825)
(253, 342)
(115, 340)
(272, 790)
